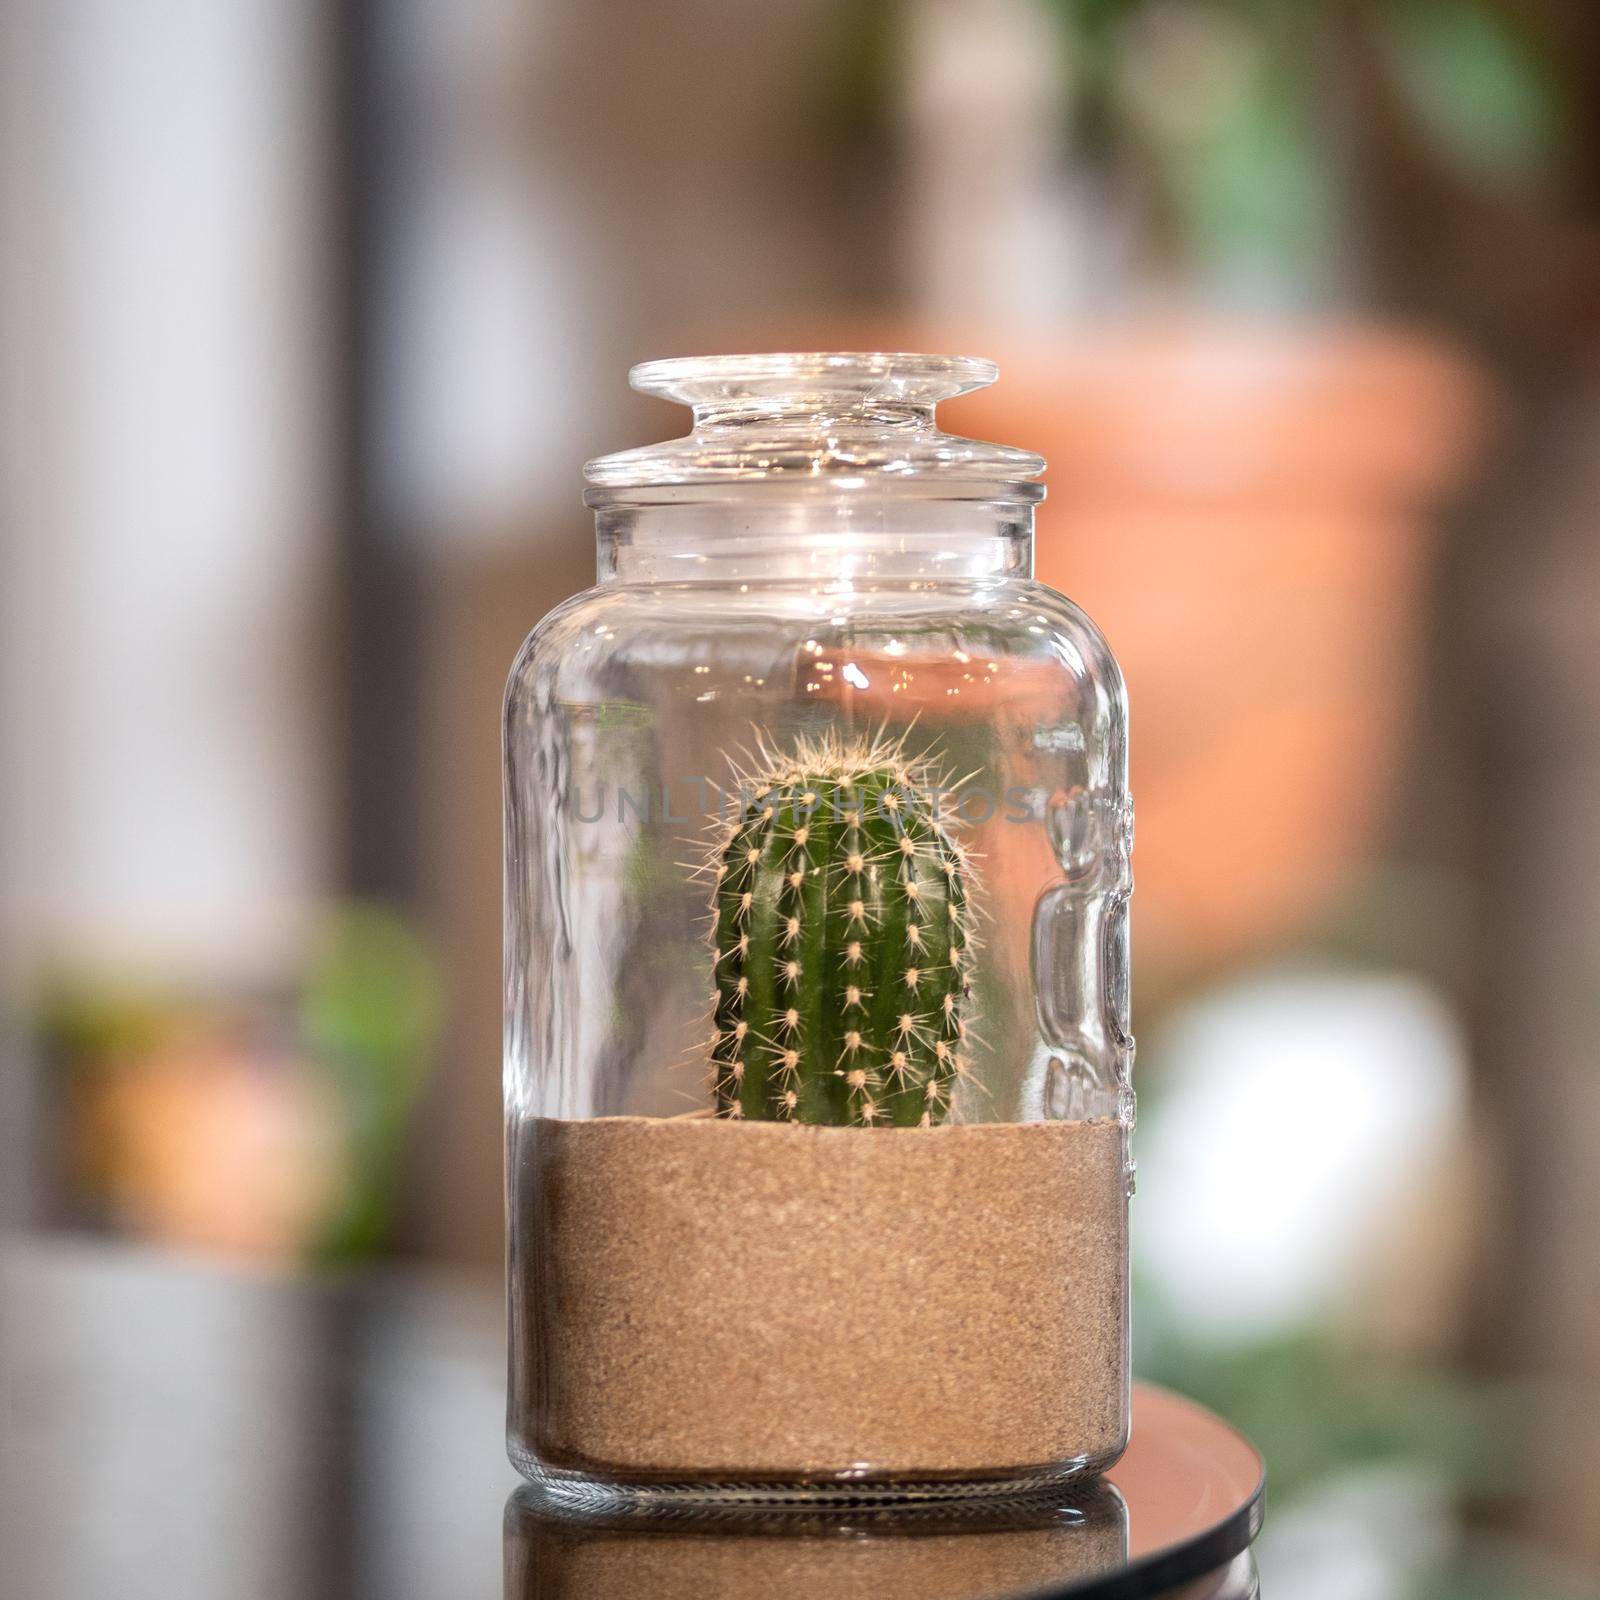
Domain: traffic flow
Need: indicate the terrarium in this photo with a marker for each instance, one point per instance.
(816, 981)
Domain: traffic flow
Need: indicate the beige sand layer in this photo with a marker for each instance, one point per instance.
(749, 1298)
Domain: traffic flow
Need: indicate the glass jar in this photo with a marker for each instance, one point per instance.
(816, 982)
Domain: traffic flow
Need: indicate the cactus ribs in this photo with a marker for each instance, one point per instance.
(843, 929)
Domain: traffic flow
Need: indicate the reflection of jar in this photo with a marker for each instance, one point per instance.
(818, 745)
(948, 1552)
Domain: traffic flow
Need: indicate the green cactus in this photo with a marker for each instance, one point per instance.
(843, 933)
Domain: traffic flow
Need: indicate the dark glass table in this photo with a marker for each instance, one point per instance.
(175, 1429)
(1175, 1516)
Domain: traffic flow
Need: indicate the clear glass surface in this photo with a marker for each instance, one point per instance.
(766, 585)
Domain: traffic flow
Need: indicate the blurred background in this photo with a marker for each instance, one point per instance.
(311, 313)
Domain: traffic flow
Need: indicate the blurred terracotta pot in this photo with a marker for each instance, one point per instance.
(1246, 513)
(207, 1146)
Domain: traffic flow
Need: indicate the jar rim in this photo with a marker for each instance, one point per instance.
(731, 492)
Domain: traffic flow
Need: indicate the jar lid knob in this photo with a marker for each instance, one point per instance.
(852, 414)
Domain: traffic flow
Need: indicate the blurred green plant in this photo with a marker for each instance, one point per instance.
(1232, 116)
(361, 1025)
(1228, 125)
(1502, 1570)
(1314, 1409)
(371, 1012)
(1319, 1408)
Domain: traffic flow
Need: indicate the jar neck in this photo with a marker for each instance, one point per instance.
(823, 533)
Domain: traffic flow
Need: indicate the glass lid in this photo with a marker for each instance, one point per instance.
(850, 418)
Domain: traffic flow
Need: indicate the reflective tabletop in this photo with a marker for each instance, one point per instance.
(1176, 1515)
(173, 1428)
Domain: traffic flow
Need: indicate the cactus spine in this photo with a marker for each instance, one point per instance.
(843, 934)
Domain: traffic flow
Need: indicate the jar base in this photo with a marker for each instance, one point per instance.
(590, 1491)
